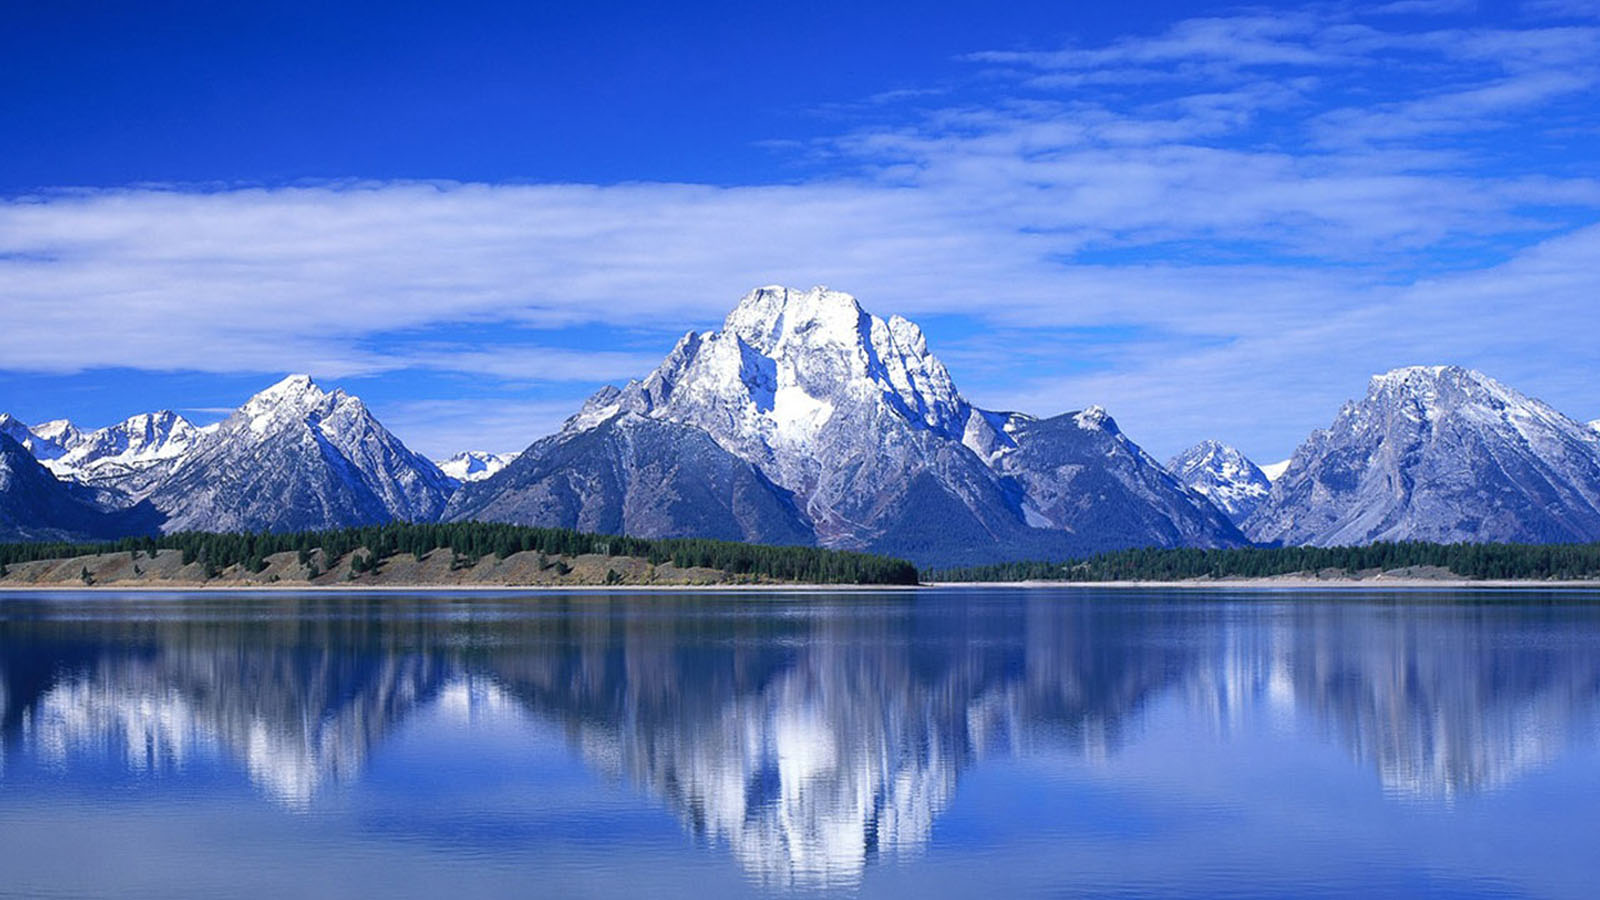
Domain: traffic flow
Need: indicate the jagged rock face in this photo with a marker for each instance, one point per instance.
(1081, 475)
(36, 506)
(638, 476)
(852, 416)
(1438, 454)
(127, 459)
(1224, 476)
(474, 465)
(41, 446)
(296, 457)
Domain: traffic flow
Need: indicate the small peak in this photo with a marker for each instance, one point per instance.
(295, 395)
(1093, 418)
(292, 385)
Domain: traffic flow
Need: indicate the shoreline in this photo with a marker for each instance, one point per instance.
(452, 588)
(1257, 584)
(1288, 584)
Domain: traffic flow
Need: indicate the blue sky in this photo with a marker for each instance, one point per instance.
(1215, 221)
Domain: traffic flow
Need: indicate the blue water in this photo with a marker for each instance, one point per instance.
(979, 743)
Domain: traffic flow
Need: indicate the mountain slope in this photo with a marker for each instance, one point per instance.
(40, 446)
(852, 416)
(36, 506)
(1082, 475)
(296, 457)
(1438, 454)
(638, 476)
(130, 457)
(1224, 476)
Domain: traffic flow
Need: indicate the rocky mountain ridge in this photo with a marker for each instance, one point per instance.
(843, 430)
(1224, 476)
(1438, 453)
(805, 419)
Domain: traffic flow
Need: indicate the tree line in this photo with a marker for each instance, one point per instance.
(469, 542)
(1472, 561)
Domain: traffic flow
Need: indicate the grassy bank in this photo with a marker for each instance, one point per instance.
(446, 554)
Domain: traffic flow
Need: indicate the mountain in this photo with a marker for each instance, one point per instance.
(1595, 425)
(39, 446)
(296, 457)
(1274, 471)
(474, 465)
(861, 431)
(1224, 476)
(1438, 453)
(36, 506)
(59, 432)
(130, 457)
(634, 475)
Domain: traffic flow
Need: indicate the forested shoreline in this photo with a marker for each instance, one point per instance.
(1531, 562)
(469, 542)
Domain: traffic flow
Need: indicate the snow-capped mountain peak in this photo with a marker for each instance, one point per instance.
(1439, 453)
(41, 447)
(1224, 476)
(295, 456)
(830, 421)
(1092, 419)
(60, 432)
(295, 397)
(789, 365)
(474, 465)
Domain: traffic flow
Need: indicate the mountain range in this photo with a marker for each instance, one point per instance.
(805, 419)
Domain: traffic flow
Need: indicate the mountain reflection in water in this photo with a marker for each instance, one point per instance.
(807, 734)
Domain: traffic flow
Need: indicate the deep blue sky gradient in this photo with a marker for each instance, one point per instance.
(108, 94)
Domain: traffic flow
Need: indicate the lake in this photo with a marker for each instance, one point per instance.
(946, 742)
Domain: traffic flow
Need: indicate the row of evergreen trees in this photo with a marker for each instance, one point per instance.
(471, 541)
(1475, 561)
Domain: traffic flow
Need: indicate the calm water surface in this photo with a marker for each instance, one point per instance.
(930, 743)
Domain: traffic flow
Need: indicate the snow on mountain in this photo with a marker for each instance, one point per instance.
(297, 457)
(60, 432)
(40, 446)
(1274, 471)
(474, 465)
(130, 457)
(1224, 476)
(1595, 425)
(851, 417)
(1438, 453)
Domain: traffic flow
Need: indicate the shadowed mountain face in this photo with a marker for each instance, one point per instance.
(36, 506)
(810, 737)
(638, 476)
(861, 430)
